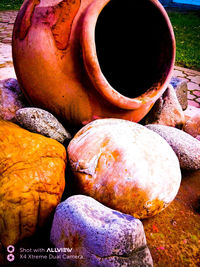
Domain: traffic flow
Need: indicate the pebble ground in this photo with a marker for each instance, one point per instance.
(7, 19)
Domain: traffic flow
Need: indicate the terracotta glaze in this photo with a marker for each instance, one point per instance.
(83, 59)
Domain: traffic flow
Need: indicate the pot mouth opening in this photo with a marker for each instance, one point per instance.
(133, 49)
(133, 46)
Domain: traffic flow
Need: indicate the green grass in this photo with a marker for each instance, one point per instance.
(187, 32)
(186, 26)
(10, 4)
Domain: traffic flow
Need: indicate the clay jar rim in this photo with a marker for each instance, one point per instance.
(93, 67)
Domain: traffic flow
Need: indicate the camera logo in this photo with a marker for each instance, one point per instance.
(10, 250)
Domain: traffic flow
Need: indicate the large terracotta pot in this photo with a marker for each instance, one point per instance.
(89, 59)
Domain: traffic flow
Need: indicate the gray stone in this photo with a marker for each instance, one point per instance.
(41, 121)
(167, 110)
(181, 90)
(186, 147)
(98, 235)
(11, 99)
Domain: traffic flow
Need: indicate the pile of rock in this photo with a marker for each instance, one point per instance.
(130, 168)
(172, 109)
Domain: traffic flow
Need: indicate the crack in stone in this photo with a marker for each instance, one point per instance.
(123, 256)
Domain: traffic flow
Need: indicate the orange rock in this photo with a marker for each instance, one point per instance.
(125, 166)
(32, 181)
(192, 125)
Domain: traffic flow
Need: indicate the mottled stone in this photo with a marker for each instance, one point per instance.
(186, 147)
(181, 90)
(125, 166)
(41, 121)
(11, 99)
(167, 110)
(98, 235)
(192, 125)
(32, 181)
